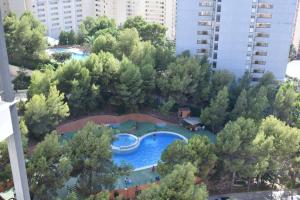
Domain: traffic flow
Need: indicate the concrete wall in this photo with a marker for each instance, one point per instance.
(186, 26)
(233, 36)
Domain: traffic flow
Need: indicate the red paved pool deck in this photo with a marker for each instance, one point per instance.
(106, 119)
(130, 193)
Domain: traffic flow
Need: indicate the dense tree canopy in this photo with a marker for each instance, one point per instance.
(135, 67)
(283, 144)
(180, 79)
(91, 154)
(154, 32)
(67, 38)
(215, 115)
(48, 169)
(43, 114)
(178, 185)
(285, 104)
(236, 147)
(129, 88)
(25, 40)
(199, 151)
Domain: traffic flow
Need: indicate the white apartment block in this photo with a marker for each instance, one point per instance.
(252, 35)
(66, 15)
(158, 11)
(16, 6)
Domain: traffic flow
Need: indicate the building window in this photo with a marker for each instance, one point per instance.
(215, 56)
(265, 5)
(255, 79)
(202, 32)
(204, 23)
(264, 15)
(216, 37)
(202, 42)
(206, 4)
(258, 71)
(259, 62)
(219, 8)
(261, 44)
(218, 18)
(205, 13)
(216, 46)
(263, 25)
(214, 64)
(261, 53)
(202, 51)
(263, 35)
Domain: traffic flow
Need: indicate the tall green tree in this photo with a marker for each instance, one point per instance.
(154, 32)
(285, 102)
(41, 81)
(43, 114)
(25, 40)
(283, 149)
(178, 185)
(259, 104)
(97, 26)
(67, 38)
(180, 80)
(237, 149)
(136, 22)
(165, 54)
(216, 113)
(106, 43)
(129, 89)
(199, 151)
(127, 41)
(74, 80)
(91, 157)
(48, 169)
(143, 56)
(241, 106)
(220, 79)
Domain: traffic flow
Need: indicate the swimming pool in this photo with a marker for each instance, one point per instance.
(76, 53)
(124, 140)
(149, 150)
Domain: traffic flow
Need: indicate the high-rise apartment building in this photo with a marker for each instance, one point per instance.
(66, 15)
(252, 35)
(16, 6)
(58, 15)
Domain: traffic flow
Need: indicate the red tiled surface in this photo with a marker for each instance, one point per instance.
(105, 119)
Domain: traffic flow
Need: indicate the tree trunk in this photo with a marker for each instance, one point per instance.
(91, 176)
(232, 181)
(259, 181)
(249, 184)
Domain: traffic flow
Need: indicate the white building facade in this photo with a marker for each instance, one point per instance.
(66, 15)
(252, 35)
(16, 6)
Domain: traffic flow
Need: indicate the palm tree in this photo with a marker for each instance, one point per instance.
(89, 43)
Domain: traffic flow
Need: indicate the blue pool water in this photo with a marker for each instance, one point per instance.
(76, 54)
(124, 140)
(149, 151)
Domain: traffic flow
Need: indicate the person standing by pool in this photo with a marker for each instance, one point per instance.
(153, 169)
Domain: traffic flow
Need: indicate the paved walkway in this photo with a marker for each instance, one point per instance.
(264, 195)
(106, 119)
